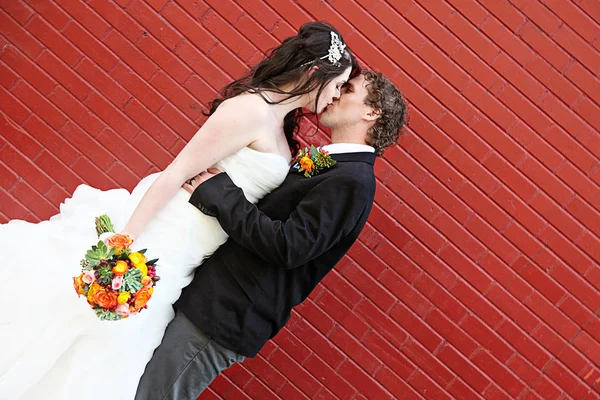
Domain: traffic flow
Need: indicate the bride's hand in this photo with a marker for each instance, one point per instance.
(191, 184)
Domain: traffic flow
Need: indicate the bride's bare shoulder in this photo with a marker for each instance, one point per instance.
(250, 104)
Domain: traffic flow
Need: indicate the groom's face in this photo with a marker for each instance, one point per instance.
(350, 107)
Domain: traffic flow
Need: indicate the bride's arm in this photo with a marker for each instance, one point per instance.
(232, 127)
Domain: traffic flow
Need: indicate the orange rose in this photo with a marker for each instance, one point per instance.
(307, 164)
(146, 281)
(120, 268)
(106, 299)
(142, 297)
(78, 284)
(119, 241)
(94, 287)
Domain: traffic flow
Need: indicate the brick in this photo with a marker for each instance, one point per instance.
(406, 293)
(429, 364)
(56, 195)
(19, 37)
(103, 83)
(13, 209)
(464, 368)
(543, 283)
(381, 322)
(297, 375)
(573, 359)
(18, 10)
(577, 286)
(523, 343)
(544, 46)
(179, 97)
(141, 90)
(522, 240)
(389, 227)
(355, 351)
(441, 298)
(311, 337)
(578, 48)
(58, 171)
(178, 122)
(87, 145)
(561, 376)
(112, 116)
(7, 177)
(35, 203)
(362, 382)
(426, 260)
(18, 137)
(51, 13)
(63, 74)
(127, 179)
(28, 70)
(587, 215)
(155, 25)
(568, 252)
(13, 107)
(509, 42)
(584, 80)
(76, 111)
(38, 104)
(86, 17)
(389, 355)
(92, 48)
(451, 332)
(398, 387)
(151, 124)
(329, 378)
(552, 316)
(269, 375)
(51, 140)
(492, 239)
(489, 339)
(123, 151)
(370, 288)
(588, 346)
(576, 311)
(93, 176)
(24, 169)
(7, 77)
(443, 197)
(54, 41)
(499, 372)
(375, 266)
(465, 267)
(473, 170)
(133, 57)
(164, 58)
(513, 309)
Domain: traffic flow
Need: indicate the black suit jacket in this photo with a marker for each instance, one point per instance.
(278, 251)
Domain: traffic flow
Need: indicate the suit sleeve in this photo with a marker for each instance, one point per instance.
(327, 213)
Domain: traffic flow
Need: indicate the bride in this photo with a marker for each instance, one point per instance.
(52, 345)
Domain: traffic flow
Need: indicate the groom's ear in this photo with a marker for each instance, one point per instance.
(371, 114)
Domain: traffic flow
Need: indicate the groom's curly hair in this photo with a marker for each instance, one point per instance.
(386, 99)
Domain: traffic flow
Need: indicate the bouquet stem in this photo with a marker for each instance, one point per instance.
(103, 225)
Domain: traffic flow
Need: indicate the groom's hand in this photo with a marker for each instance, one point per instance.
(191, 184)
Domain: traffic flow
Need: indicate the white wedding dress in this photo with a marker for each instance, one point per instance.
(52, 346)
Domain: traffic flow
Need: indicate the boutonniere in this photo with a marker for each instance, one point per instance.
(312, 161)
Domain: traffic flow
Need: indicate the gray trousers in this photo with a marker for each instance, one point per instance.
(184, 364)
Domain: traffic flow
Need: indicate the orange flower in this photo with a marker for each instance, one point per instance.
(119, 241)
(147, 281)
(78, 284)
(307, 164)
(142, 297)
(94, 287)
(106, 299)
(120, 268)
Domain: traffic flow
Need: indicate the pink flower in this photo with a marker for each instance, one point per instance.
(123, 310)
(89, 277)
(117, 282)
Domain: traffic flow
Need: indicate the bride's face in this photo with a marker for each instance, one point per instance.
(330, 92)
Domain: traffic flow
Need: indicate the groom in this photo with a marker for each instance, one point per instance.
(279, 250)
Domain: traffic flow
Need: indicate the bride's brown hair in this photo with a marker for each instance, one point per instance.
(289, 63)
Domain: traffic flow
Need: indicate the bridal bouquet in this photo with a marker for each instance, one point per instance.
(116, 281)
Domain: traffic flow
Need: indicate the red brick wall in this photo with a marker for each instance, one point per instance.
(477, 275)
